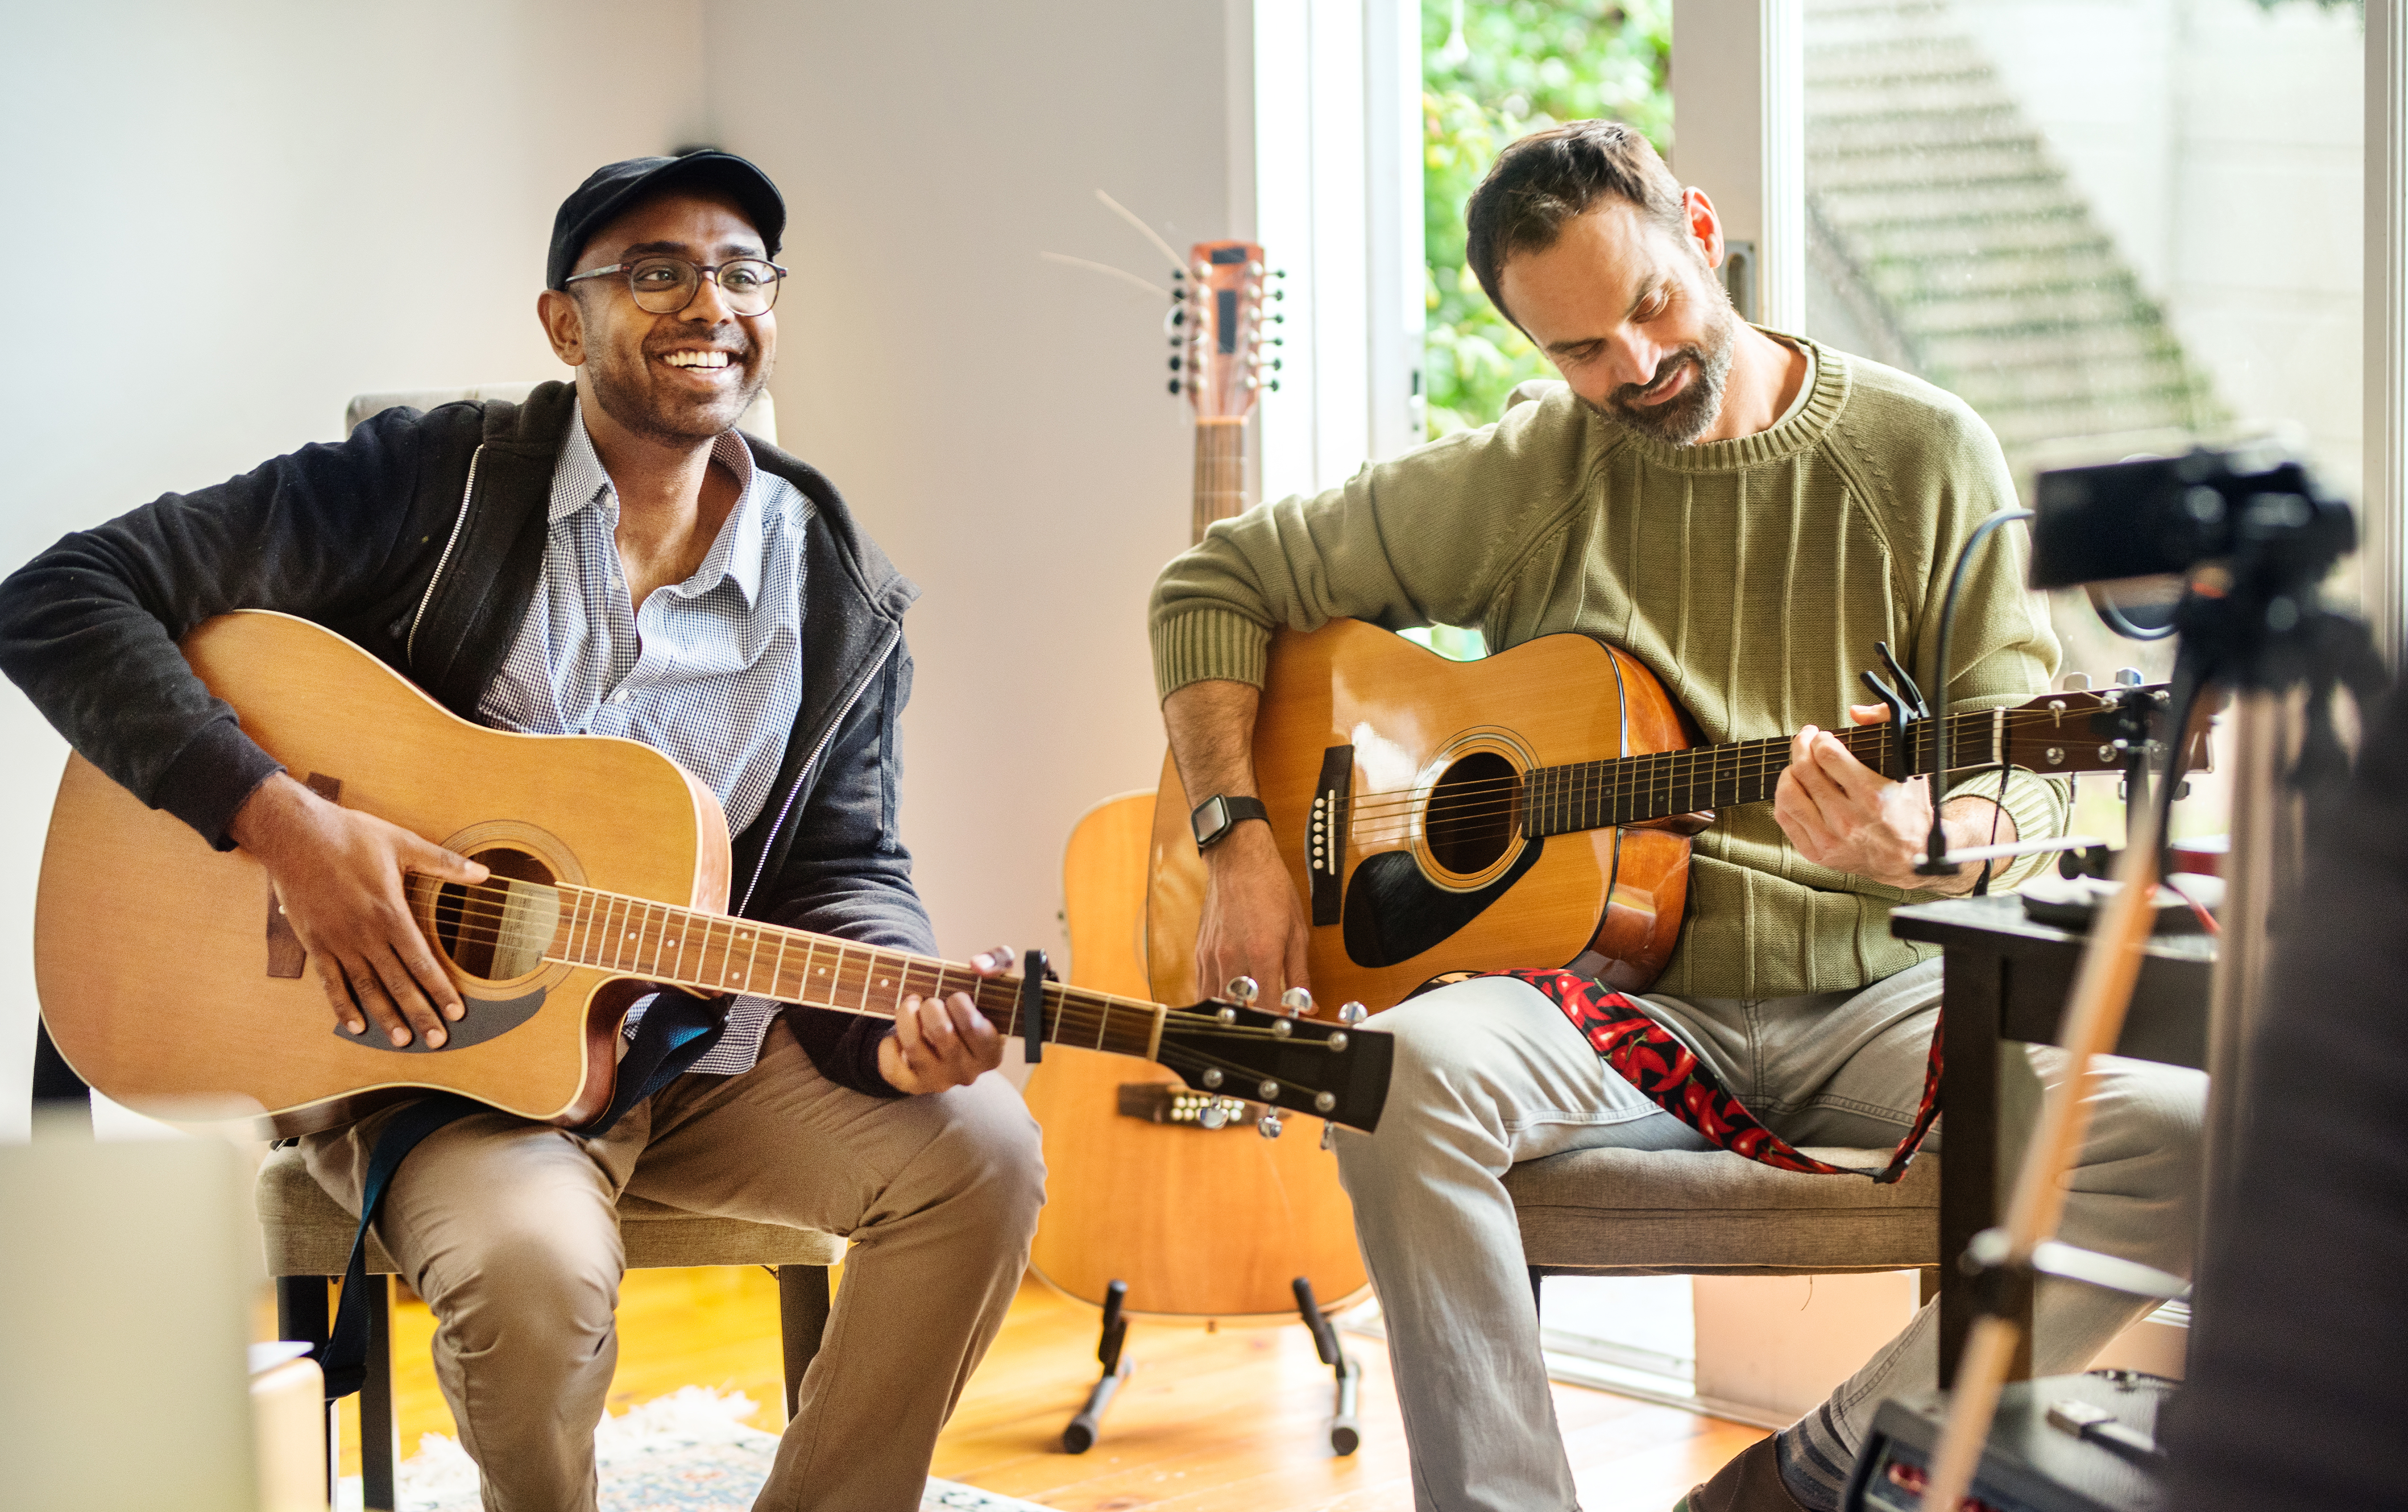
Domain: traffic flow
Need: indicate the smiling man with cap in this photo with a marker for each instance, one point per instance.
(610, 557)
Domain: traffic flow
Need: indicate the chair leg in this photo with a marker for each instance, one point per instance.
(379, 1434)
(1538, 1291)
(802, 1320)
(302, 1312)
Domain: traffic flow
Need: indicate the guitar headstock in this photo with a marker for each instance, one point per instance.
(1338, 1072)
(2082, 731)
(1227, 345)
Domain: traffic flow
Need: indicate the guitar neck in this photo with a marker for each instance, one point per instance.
(1631, 789)
(1219, 470)
(713, 953)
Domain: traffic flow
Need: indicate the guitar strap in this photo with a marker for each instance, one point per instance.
(678, 1030)
(1653, 1058)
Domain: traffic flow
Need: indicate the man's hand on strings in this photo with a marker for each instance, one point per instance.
(339, 879)
(943, 1042)
(1840, 813)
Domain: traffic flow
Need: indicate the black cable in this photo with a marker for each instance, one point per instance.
(1938, 846)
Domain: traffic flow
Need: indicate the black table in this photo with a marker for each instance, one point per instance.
(2009, 979)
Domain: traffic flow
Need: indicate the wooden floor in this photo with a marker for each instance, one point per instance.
(1234, 1419)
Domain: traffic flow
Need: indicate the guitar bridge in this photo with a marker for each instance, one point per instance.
(1324, 857)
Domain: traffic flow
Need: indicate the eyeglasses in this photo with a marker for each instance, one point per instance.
(666, 285)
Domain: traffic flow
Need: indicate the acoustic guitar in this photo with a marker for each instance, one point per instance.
(1518, 811)
(166, 973)
(1174, 1194)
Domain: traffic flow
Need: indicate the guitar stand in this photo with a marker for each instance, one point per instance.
(1081, 1435)
(1345, 1435)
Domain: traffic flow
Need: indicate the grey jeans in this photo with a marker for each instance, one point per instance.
(506, 1227)
(1489, 1073)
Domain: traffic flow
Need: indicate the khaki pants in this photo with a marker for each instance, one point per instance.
(506, 1229)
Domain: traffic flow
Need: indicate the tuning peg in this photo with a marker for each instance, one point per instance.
(1253, 382)
(1277, 319)
(2074, 683)
(1266, 1090)
(1253, 270)
(1323, 1101)
(1269, 1125)
(1174, 385)
(1297, 1000)
(1276, 364)
(1274, 385)
(2128, 676)
(1174, 363)
(1202, 270)
(1279, 272)
(1242, 990)
(1213, 1116)
(1179, 273)
(1211, 1079)
(1278, 293)
(1352, 1013)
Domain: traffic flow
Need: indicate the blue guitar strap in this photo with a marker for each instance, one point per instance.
(678, 1030)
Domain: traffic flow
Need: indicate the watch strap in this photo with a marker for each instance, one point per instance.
(1215, 817)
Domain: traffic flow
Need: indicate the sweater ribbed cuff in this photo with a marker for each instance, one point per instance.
(212, 777)
(2038, 807)
(1201, 645)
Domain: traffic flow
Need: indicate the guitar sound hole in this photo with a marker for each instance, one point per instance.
(1470, 818)
(499, 929)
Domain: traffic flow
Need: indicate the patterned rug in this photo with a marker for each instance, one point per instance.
(689, 1451)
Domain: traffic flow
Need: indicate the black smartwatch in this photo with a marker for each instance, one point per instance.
(1216, 815)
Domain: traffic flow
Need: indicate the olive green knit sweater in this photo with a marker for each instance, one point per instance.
(1752, 575)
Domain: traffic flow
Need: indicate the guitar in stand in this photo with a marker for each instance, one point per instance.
(1157, 1201)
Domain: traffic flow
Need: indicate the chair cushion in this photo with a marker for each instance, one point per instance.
(306, 1233)
(1682, 1212)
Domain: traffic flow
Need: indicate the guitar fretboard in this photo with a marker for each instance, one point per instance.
(1630, 789)
(1220, 471)
(714, 953)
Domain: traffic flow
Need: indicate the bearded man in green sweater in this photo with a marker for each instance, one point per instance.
(1747, 513)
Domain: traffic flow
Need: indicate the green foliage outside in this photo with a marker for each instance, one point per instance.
(1518, 66)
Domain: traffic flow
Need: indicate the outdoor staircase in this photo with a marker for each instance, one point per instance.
(1960, 251)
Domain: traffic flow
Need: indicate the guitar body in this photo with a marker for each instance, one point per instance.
(1212, 1224)
(162, 970)
(1421, 753)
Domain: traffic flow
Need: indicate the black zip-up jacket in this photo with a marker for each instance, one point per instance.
(420, 538)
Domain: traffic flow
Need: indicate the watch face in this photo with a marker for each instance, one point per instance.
(1211, 817)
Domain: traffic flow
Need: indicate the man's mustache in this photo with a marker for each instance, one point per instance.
(1628, 395)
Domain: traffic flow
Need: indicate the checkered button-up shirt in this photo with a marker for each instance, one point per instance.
(709, 671)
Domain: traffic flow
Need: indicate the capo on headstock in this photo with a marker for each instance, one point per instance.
(1906, 706)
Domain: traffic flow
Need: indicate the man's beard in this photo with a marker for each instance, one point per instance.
(1691, 413)
(665, 417)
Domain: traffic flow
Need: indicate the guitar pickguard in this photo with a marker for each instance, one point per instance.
(1394, 913)
(486, 1019)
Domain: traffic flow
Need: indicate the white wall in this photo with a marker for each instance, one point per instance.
(1001, 423)
(230, 216)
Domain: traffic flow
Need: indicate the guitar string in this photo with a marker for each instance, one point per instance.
(1719, 763)
(1060, 1004)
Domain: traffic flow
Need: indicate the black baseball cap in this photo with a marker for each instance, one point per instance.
(618, 186)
